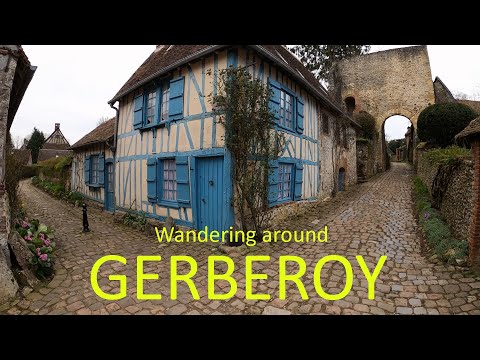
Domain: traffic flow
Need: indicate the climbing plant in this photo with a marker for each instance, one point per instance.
(241, 104)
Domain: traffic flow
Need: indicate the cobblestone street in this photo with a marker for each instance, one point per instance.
(371, 220)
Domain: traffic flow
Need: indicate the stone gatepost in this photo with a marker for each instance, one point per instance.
(472, 134)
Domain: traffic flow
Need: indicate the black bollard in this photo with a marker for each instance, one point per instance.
(85, 218)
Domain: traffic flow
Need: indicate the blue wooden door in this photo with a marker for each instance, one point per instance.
(209, 183)
(109, 187)
(341, 180)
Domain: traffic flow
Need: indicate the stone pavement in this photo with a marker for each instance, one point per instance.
(372, 219)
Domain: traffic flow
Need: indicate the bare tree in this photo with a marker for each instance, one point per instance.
(102, 120)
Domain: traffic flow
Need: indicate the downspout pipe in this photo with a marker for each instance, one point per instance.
(114, 148)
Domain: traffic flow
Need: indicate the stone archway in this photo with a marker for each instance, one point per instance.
(385, 83)
(380, 149)
(401, 123)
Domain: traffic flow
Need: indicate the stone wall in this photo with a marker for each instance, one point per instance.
(385, 83)
(334, 155)
(8, 64)
(364, 159)
(456, 205)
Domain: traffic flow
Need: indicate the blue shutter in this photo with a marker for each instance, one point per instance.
(298, 181)
(274, 103)
(175, 107)
(138, 112)
(86, 168)
(299, 115)
(272, 182)
(152, 180)
(101, 169)
(183, 186)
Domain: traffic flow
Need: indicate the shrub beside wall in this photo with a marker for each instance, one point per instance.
(448, 176)
(57, 171)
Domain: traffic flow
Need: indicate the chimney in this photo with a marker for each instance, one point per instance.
(57, 126)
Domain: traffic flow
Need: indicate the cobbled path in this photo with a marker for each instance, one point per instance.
(371, 220)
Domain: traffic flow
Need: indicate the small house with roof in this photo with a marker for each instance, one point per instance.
(56, 145)
(93, 165)
(168, 150)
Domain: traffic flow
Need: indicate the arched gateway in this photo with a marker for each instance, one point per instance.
(386, 83)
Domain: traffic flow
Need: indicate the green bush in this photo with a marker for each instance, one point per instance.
(367, 122)
(74, 196)
(436, 231)
(135, 218)
(57, 190)
(29, 171)
(439, 123)
(447, 156)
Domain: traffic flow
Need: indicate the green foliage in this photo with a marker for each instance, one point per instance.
(436, 231)
(57, 190)
(63, 162)
(367, 122)
(447, 156)
(40, 241)
(28, 171)
(319, 59)
(439, 123)
(35, 143)
(135, 218)
(393, 145)
(56, 170)
(13, 175)
(242, 106)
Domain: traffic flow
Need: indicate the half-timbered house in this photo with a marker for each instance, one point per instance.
(169, 153)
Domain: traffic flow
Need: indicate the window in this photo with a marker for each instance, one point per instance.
(350, 104)
(325, 124)
(94, 170)
(285, 181)
(165, 102)
(286, 109)
(151, 107)
(94, 173)
(156, 104)
(169, 183)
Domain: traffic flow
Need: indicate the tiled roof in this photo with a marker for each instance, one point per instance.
(45, 154)
(100, 134)
(167, 57)
(471, 129)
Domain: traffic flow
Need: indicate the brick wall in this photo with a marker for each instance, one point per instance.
(474, 234)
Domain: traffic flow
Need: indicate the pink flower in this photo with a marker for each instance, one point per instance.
(42, 236)
(24, 224)
(28, 238)
(38, 252)
(46, 242)
(43, 257)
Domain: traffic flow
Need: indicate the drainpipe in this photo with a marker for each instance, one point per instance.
(116, 124)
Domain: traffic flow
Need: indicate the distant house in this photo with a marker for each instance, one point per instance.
(23, 156)
(92, 165)
(56, 145)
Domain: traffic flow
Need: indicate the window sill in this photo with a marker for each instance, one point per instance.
(95, 186)
(287, 130)
(169, 204)
(162, 124)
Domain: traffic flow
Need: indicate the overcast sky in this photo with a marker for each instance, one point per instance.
(73, 83)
